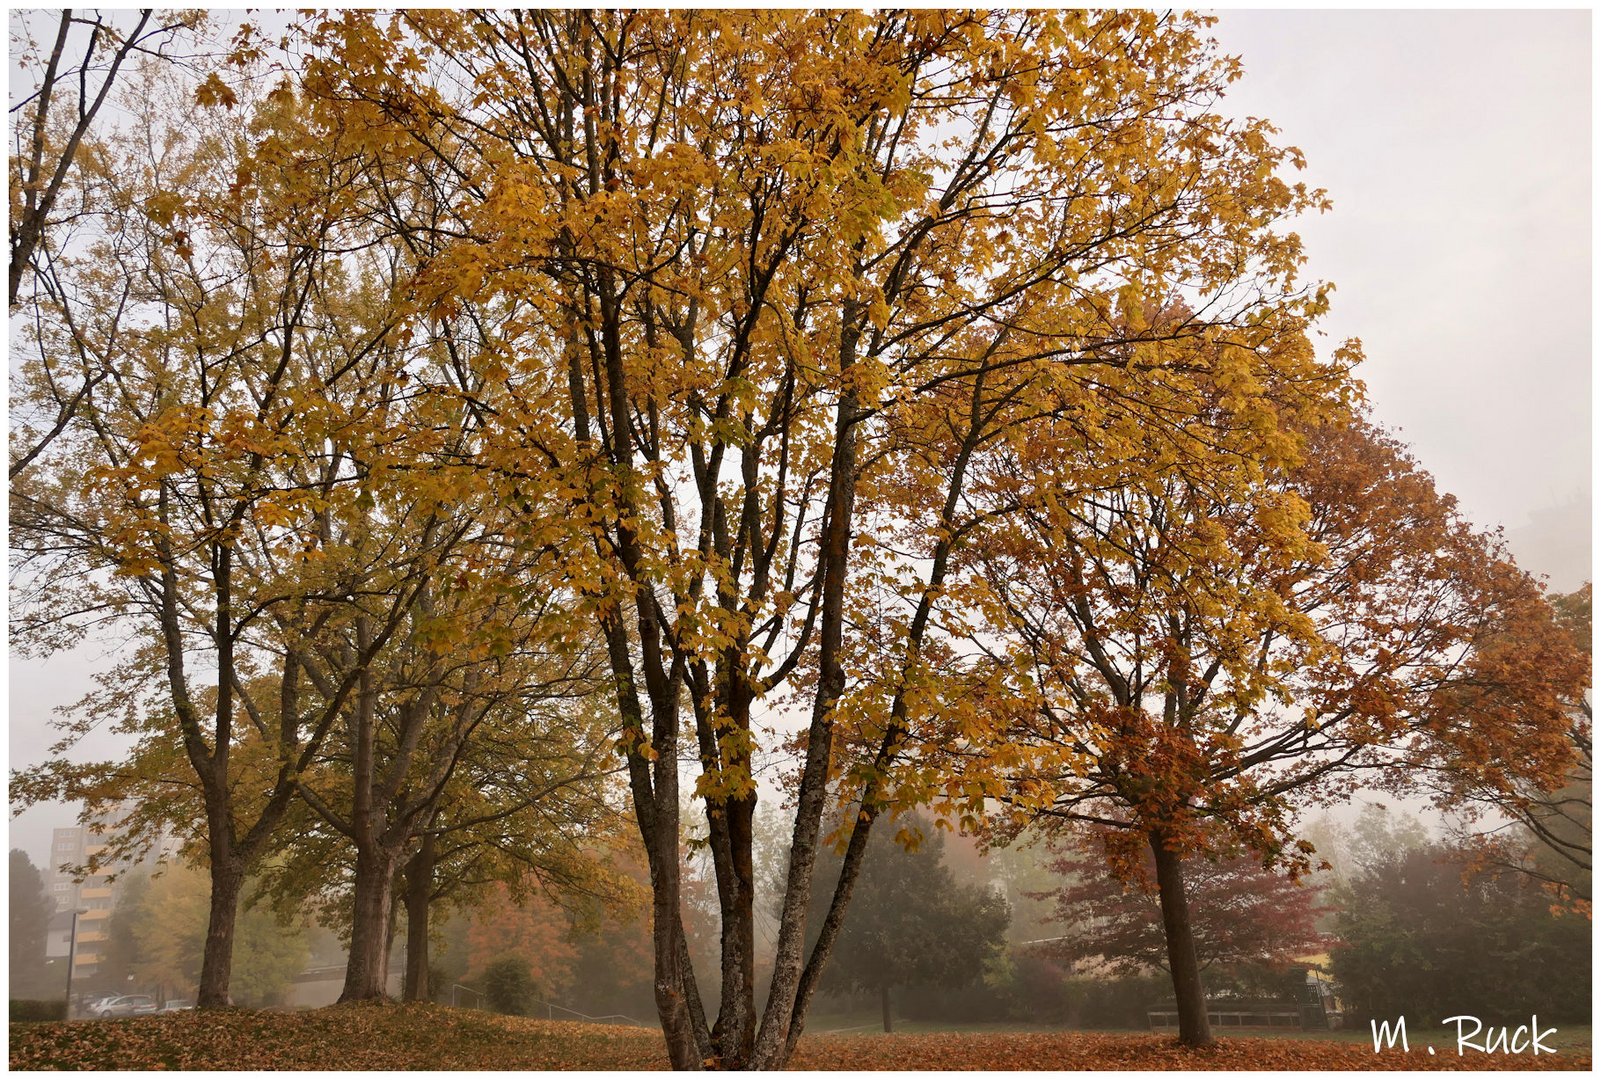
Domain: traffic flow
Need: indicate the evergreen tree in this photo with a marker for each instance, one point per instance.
(31, 908)
(1425, 932)
(910, 921)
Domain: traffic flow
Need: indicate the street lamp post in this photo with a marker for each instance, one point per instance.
(72, 956)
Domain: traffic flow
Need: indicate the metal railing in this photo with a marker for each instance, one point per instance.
(550, 1014)
(550, 1007)
(457, 986)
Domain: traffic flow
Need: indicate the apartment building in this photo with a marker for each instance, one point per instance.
(94, 895)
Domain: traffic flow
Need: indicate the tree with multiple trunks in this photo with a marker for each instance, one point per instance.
(266, 485)
(779, 280)
(265, 488)
(1187, 667)
(205, 287)
(464, 680)
(527, 803)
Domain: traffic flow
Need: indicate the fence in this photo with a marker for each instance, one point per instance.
(550, 1007)
(1239, 1014)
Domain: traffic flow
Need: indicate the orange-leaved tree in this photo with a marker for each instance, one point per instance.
(1539, 829)
(1187, 666)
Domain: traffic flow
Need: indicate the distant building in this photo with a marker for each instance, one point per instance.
(95, 895)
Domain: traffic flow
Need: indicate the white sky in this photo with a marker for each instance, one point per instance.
(1456, 147)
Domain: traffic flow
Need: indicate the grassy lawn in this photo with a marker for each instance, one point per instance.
(436, 1037)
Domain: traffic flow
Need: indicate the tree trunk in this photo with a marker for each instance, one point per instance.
(773, 1043)
(1194, 1027)
(419, 889)
(369, 926)
(392, 925)
(833, 922)
(735, 1030)
(677, 1003)
(672, 1005)
(227, 875)
(883, 1000)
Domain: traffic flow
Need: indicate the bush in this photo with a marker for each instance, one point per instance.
(440, 979)
(1041, 992)
(23, 1010)
(1117, 1003)
(1423, 932)
(509, 986)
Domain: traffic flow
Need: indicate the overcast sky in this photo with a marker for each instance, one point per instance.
(1456, 147)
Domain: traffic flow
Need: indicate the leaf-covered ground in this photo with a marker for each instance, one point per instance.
(434, 1037)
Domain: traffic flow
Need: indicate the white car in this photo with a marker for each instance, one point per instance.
(90, 1006)
(178, 1005)
(128, 1005)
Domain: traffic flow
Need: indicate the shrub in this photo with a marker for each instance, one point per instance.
(1117, 1003)
(23, 1010)
(509, 986)
(1041, 991)
(440, 979)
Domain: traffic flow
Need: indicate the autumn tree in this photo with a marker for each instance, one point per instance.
(235, 302)
(525, 800)
(534, 808)
(69, 78)
(64, 82)
(531, 930)
(778, 280)
(1544, 831)
(466, 667)
(1186, 663)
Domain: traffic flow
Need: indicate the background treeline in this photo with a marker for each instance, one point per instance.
(1401, 921)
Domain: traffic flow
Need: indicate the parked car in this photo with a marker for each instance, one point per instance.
(128, 1005)
(178, 1005)
(91, 1005)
